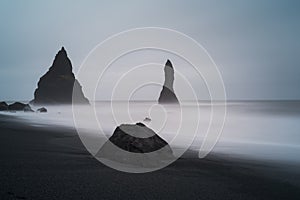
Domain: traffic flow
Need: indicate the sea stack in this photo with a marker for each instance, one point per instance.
(167, 94)
(56, 86)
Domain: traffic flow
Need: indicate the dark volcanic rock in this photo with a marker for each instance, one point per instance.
(147, 119)
(3, 106)
(137, 138)
(42, 110)
(27, 108)
(136, 144)
(17, 106)
(167, 94)
(56, 86)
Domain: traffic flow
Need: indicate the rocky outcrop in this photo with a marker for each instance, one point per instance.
(3, 106)
(167, 94)
(136, 144)
(137, 138)
(42, 110)
(56, 86)
(147, 119)
(17, 106)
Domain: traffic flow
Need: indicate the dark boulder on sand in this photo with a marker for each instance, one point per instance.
(137, 138)
(42, 110)
(136, 144)
(17, 106)
(3, 106)
(167, 94)
(56, 86)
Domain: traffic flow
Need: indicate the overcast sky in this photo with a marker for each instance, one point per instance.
(254, 43)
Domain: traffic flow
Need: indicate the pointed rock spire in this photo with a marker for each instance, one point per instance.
(167, 94)
(168, 63)
(56, 86)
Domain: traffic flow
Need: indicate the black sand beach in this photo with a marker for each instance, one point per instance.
(39, 163)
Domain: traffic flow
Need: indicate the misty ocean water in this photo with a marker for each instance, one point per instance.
(263, 130)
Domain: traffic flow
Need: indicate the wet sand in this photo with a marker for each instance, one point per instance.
(51, 163)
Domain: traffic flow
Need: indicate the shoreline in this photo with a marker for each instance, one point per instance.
(52, 163)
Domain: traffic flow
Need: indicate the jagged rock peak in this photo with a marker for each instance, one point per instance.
(63, 49)
(62, 53)
(168, 63)
(56, 86)
(61, 64)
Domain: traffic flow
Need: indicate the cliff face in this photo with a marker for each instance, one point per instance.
(167, 94)
(56, 86)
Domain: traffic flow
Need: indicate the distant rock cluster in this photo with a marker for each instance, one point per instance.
(56, 86)
(18, 106)
(3, 106)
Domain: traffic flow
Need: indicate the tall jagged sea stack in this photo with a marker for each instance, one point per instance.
(56, 86)
(167, 94)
